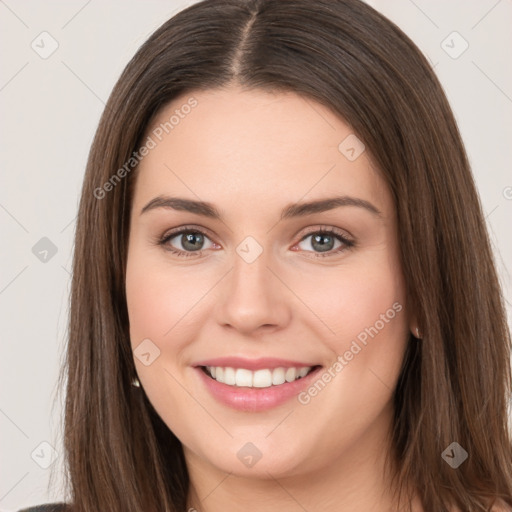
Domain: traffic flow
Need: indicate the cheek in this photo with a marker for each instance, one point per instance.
(159, 298)
(353, 299)
(146, 298)
(159, 301)
(364, 308)
(364, 325)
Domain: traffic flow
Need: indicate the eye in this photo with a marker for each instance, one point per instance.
(190, 242)
(324, 240)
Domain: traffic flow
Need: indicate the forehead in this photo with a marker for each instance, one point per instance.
(236, 146)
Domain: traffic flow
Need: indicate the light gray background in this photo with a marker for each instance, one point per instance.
(50, 110)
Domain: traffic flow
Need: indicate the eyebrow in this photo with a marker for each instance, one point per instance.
(290, 211)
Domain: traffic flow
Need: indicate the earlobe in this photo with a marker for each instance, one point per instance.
(414, 328)
(418, 334)
(416, 331)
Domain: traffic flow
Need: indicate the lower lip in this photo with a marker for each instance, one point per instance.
(255, 399)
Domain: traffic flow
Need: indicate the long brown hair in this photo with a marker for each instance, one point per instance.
(455, 383)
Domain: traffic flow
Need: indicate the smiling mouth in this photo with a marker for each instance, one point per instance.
(263, 378)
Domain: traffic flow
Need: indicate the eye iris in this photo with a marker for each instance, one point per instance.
(189, 239)
(194, 240)
(320, 238)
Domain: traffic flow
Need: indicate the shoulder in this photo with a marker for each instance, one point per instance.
(501, 506)
(49, 507)
(498, 506)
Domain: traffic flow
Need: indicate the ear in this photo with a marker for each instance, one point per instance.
(414, 327)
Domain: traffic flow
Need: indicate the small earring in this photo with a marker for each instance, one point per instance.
(418, 334)
(135, 382)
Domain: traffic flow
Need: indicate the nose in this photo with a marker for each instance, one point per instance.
(253, 298)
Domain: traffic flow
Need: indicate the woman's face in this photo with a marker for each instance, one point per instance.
(252, 286)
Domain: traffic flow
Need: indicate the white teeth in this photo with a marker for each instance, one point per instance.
(278, 376)
(229, 376)
(302, 372)
(243, 377)
(262, 379)
(291, 373)
(258, 379)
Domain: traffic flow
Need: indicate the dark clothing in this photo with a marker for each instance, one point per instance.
(49, 507)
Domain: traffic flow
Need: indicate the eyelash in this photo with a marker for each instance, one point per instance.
(162, 241)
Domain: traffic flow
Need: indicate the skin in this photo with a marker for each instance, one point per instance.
(251, 153)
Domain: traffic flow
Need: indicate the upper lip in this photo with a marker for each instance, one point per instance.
(253, 364)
